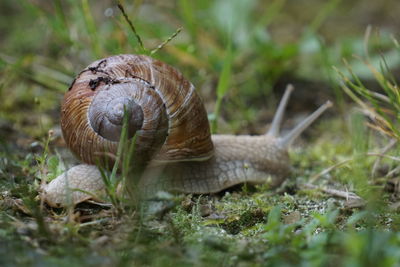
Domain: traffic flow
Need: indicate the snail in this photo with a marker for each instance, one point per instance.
(173, 145)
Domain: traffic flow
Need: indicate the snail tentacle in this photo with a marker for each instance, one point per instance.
(277, 120)
(288, 139)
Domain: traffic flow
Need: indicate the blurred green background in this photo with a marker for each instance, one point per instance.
(240, 55)
(263, 45)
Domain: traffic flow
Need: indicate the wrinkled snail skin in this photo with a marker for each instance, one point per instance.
(173, 146)
(237, 160)
(61, 191)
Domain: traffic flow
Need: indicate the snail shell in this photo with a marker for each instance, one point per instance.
(163, 110)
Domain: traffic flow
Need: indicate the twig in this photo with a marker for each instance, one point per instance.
(131, 25)
(106, 205)
(352, 200)
(384, 150)
(94, 222)
(380, 155)
(393, 172)
(166, 41)
(334, 192)
(384, 156)
(327, 170)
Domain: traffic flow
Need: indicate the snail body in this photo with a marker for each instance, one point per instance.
(236, 160)
(174, 147)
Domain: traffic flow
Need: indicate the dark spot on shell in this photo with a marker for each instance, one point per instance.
(99, 67)
(72, 84)
(102, 63)
(93, 83)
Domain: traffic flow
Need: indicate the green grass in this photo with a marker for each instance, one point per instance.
(240, 56)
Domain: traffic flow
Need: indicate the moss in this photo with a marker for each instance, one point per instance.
(243, 221)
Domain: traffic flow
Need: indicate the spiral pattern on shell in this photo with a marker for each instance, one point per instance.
(163, 108)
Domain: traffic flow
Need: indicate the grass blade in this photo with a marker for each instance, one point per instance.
(142, 48)
(223, 85)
